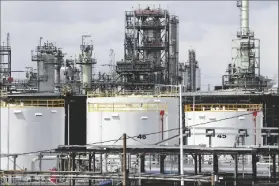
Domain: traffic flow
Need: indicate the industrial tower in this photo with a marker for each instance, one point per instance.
(49, 61)
(147, 46)
(87, 62)
(191, 76)
(244, 71)
(5, 61)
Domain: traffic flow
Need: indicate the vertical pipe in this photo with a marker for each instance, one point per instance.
(8, 137)
(8, 39)
(124, 161)
(68, 121)
(57, 76)
(194, 119)
(181, 135)
(177, 47)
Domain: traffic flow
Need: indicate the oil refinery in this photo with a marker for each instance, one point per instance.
(146, 121)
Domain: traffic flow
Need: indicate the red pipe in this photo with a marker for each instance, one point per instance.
(162, 113)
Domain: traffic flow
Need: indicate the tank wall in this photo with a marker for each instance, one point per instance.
(22, 132)
(226, 135)
(110, 125)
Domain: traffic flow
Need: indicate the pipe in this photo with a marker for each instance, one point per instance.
(181, 135)
(8, 39)
(42, 158)
(132, 177)
(57, 75)
(68, 122)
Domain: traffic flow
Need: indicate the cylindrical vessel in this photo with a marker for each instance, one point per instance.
(245, 17)
(232, 119)
(32, 128)
(109, 117)
(46, 73)
(86, 75)
(57, 78)
(228, 123)
(173, 49)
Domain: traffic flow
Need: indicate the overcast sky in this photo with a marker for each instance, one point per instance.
(206, 26)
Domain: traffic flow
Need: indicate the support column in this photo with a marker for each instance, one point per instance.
(94, 165)
(178, 164)
(274, 167)
(142, 164)
(13, 177)
(254, 167)
(74, 165)
(200, 162)
(215, 169)
(89, 167)
(196, 163)
(141, 159)
(162, 163)
(235, 169)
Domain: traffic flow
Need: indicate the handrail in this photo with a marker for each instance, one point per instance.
(35, 103)
(125, 107)
(222, 107)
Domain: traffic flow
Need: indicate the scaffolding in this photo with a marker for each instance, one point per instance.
(191, 72)
(146, 48)
(49, 60)
(5, 61)
(244, 71)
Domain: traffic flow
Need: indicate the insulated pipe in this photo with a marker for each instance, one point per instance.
(42, 158)
(245, 17)
(57, 75)
(51, 158)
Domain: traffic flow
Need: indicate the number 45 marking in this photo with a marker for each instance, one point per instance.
(221, 136)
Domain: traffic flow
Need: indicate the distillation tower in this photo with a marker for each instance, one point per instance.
(5, 61)
(191, 78)
(49, 61)
(174, 77)
(146, 48)
(87, 62)
(244, 71)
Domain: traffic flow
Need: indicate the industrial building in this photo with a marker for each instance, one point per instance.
(146, 122)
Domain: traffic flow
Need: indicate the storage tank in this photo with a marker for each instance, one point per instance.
(31, 126)
(109, 117)
(227, 121)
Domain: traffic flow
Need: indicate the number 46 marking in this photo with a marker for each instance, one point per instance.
(141, 136)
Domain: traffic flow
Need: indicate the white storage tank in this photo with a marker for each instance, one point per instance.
(109, 117)
(227, 121)
(31, 126)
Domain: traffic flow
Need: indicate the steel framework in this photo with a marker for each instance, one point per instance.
(244, 71)
(5, 65)
(146, 48)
